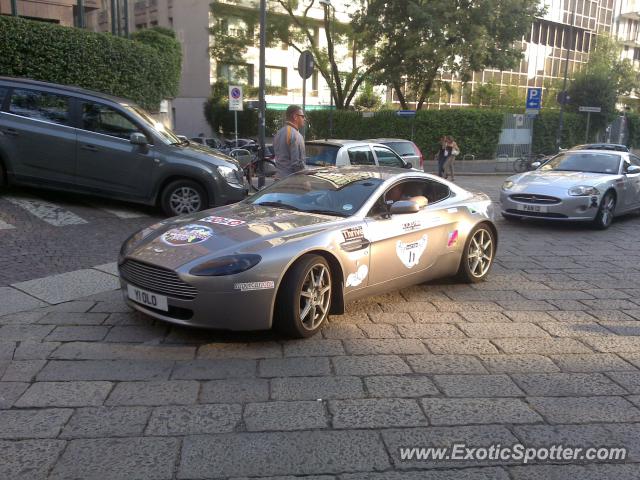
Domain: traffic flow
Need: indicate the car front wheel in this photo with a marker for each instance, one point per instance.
(604, 217)
(182, 197)
(304, 298)
(478, 255)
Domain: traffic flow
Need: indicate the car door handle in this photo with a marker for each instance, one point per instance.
(10, 131)
(355, 245)
(89, 148)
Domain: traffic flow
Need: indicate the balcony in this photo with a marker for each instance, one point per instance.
(632, 42)
(631, 10)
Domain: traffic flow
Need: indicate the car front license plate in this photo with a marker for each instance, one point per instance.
(533, 208)
(149, 299)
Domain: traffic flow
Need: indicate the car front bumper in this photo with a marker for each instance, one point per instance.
(569, 208)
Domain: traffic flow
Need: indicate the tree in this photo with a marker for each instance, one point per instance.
(368, 99)
(413, 41)
(290, 22)
(603, 80)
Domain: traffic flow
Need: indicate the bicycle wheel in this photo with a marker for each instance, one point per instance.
(520, 165)
(253, 176)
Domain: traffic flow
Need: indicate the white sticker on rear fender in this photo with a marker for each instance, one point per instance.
(410, 253)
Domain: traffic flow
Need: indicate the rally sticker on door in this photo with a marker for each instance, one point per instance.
(355, 279)
(410, 253)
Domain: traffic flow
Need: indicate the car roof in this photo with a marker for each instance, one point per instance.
(383, 173)
(335, 142)
(602, 146)
(384, 140)
(68, 88)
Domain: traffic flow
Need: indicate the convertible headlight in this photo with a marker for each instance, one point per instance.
(507, 185)
(583, 190)
(229, 174)
(229, 265)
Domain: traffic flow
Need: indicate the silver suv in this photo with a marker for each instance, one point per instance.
(65, 138)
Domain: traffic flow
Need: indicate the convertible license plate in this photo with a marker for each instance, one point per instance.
(149, 299)
(533, 208)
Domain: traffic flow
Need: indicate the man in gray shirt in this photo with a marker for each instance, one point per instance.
(288, 144)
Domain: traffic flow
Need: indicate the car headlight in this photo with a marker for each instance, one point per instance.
(229, 174)
(228, 265)
(507, 185)
(583, 190)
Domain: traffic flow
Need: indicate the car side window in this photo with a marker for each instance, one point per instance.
(432, 190)
(3, 94)
(634, 160)
(103, 119)
(361, 156)
(387, 158)
(43, 106)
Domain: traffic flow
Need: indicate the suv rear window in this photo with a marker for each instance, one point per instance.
(44, 106)
(321, 155)
(402, 148)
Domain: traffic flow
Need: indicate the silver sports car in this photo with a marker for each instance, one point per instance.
(298, 250)
(584, 185)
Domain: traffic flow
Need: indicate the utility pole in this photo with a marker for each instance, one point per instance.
(564, 83)
(261, 87)
(14, 8)
(81, 23)
(126, 18)
(114, 14)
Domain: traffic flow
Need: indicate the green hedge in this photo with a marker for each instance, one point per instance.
(146, 69)
(545, 129)
(476, 130)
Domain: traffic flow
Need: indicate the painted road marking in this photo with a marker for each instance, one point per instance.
(5, 226)
(46, 211)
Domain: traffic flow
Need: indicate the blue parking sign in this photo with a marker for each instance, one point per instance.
(534, 98)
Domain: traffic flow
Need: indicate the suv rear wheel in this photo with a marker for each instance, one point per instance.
(182, 197)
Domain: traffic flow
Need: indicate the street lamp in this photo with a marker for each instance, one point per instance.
(327, 4)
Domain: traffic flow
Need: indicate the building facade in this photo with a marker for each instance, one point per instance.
(63, 12)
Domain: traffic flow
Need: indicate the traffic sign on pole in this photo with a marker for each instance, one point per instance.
(590, 109)
(406, 113)
(235, 98)
(534, 98)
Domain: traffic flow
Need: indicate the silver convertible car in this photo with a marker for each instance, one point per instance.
(300, 249)
(583, 185)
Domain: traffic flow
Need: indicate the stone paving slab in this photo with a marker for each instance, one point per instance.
(14, 301)
(69, 286)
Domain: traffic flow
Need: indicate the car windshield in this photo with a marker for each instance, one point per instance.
(617, 148)
(322, 191)
(404, 149)
(584, 162)
(166, 134)
(320, 155)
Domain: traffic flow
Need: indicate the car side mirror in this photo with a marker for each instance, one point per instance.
(404, 206)
(138, 139)
(536, 164)
(633, 169)
(408, 165)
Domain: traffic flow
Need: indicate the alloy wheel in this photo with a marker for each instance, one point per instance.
(480, 253)
(315, 297)
(185, 200)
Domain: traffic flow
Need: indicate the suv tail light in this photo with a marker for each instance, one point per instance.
(419, 153)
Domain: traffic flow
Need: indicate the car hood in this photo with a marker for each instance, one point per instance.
(203, 154)
(239, 228)
(559, 180)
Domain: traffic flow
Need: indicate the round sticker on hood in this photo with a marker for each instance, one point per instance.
(187, 235)
(347, 207)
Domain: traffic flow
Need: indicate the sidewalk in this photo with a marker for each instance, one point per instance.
(475, 167)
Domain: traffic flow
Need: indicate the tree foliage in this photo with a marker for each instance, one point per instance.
(145, 69)
(290, 22)
(414, 40)
(603, 80)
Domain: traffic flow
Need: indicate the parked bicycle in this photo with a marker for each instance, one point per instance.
(524, 163)
(251, 163)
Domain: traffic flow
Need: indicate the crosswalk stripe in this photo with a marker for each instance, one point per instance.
(122, 213)
(5, 226)
(46, 211)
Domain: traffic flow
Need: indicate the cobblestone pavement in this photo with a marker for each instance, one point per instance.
(547, 351)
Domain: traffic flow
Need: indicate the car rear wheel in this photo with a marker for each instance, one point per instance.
(604, 217)
(304, 298)
(478, 255)
(183, 197)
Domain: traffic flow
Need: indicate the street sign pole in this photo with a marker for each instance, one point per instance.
(564, 84)
(14, 8)
(586, 137)
(261, 87)
(304, 96)
(114, 25)
(235, 115)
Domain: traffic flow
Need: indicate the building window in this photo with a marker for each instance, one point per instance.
(236, 73)
(276, 76)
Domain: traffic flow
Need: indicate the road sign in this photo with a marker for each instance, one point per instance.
(406, 113)
(534, 98)
(306, 64)
(235, 98)
(590, 109)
